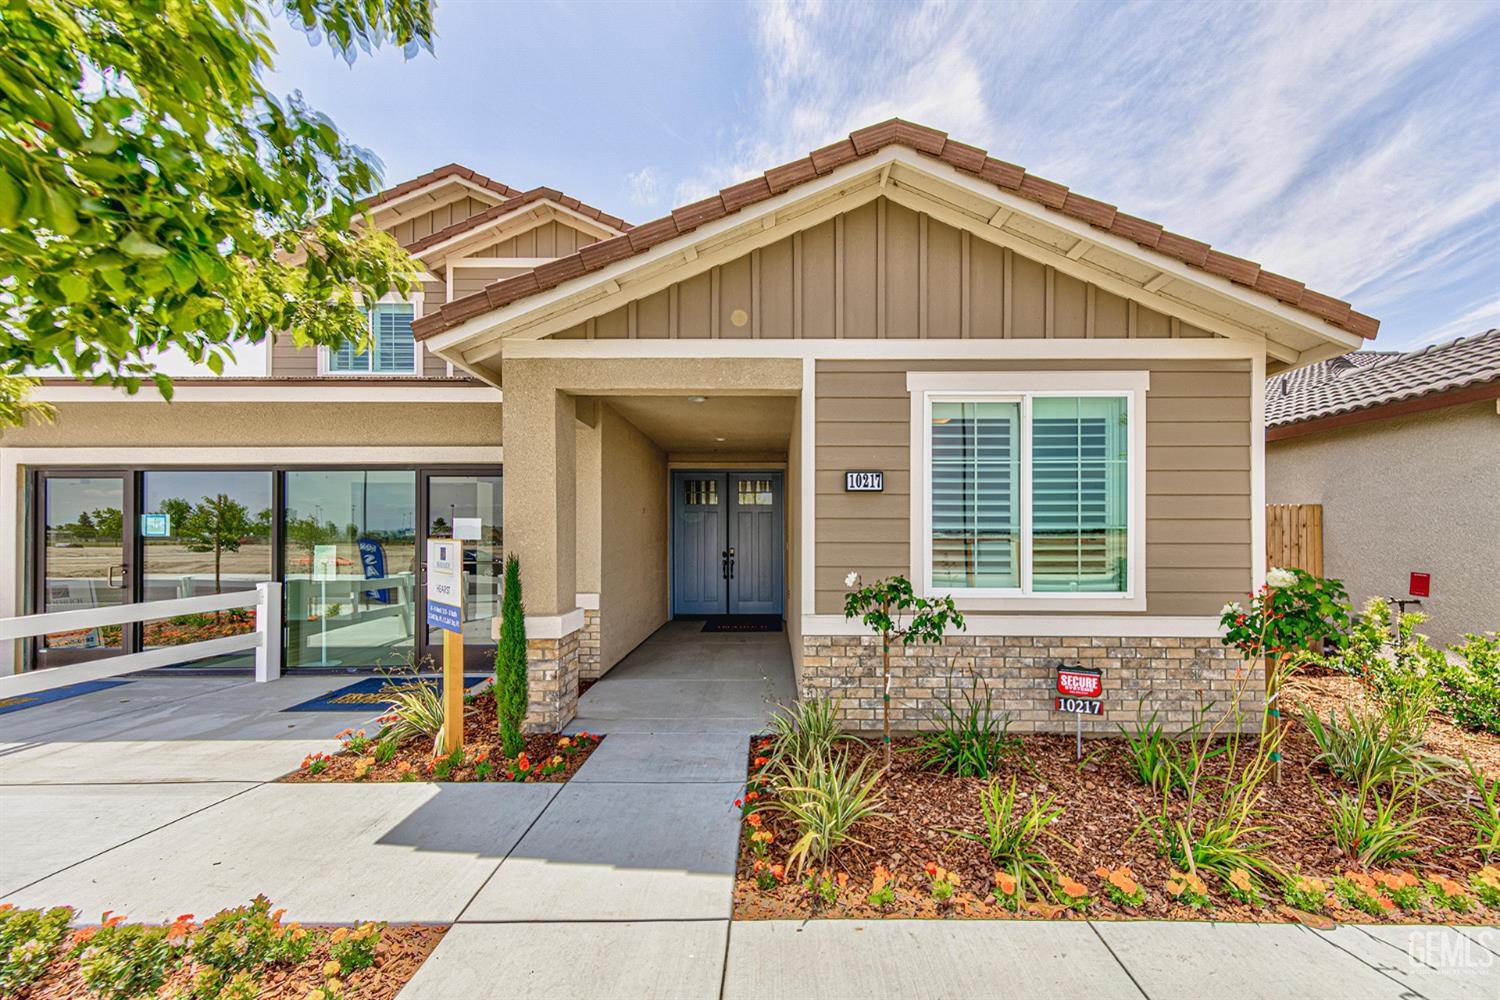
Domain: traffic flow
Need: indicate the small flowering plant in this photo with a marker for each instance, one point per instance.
(1486, 885)
(823, 887)
(354, 740)
(1073, 894)
(882, 892)
(943, 883)
(483, 766)
(355, 949)
(1404, 889)
(1359, 891)
(405, 772)
(1121, 887)
(1292, 610)
(767, 875)
(1242, 887)
(1305, 893)
(1449, 894)
(1188, 889)
(316, 763)
(1007, 891)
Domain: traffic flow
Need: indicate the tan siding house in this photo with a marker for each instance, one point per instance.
(896, 355)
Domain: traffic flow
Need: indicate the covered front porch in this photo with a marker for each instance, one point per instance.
(641, 493)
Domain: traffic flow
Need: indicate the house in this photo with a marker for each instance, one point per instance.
(1402, 450)
(894, 355)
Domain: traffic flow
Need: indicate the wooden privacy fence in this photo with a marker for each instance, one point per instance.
(1294, 536)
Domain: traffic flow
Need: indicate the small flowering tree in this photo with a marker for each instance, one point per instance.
(1292, 611)
(894, 612)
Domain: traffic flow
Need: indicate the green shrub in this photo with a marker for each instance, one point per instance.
(1366, 746)
(1360, 892)
(355, 949)
(243, 940)
(805, 730)
(1484, 811)
(970, 741)
(29, 941)
(1013, 837)
(1303, 892)
(1374, 829)
(1469, 689)
(825, 799)
(123, 961)
(1155, 759)
(511, 693)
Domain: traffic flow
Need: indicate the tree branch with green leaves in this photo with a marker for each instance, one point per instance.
(154, 194)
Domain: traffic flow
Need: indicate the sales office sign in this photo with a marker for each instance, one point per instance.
(1079, 690)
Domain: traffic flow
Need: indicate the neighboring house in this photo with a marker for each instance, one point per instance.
(1403, 452)
(1062, 402)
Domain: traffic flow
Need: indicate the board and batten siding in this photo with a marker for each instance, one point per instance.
(550, 239)
(1197, 475)
(287, 360)
(881, 271)
(441, 217)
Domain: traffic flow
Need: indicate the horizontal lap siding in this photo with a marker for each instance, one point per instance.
(1197, 475)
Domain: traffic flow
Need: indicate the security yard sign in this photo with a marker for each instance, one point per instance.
(1079, 690)
(445, 585)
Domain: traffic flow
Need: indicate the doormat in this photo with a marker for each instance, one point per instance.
(16, 703)
(373, 692)
(743, 623)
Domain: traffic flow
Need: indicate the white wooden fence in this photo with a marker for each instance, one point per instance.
(265, 640)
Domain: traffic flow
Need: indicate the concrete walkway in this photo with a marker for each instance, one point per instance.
(685, 680)
(618, 884)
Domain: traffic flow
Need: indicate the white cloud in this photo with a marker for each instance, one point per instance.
(646, 186)
(1350, 146)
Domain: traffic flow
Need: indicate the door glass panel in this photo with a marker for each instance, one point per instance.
(755, 493)
(453, 499)
(83, 561)
(700, 492)
(349, 566)
(217, 540)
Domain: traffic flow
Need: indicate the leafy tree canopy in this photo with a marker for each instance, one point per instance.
(154, 193)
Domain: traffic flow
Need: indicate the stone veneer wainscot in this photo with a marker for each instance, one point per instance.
(1174, 676)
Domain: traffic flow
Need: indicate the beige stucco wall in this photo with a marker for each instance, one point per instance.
(153, 425)
(1197, 475)
(589, 475)
(633, 537)
(1419, 492)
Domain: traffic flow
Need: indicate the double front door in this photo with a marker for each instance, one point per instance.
(727, 549)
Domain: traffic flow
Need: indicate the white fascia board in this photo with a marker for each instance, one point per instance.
(906, 349)
(368, 390)
(1261, 302)
(395, 204)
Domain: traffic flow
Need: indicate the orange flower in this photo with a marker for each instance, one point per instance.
(1073, 887)
(1240, 879)
(932, 869)
(753, 819)
(751, 796)
(481, 756)
(403, 766)
(762, 761)
(523, 762)
(1123, 878)
(1006, 883)
(111, 919)
(843, 879)
(758, 864)
(338, 934)
(776, 871)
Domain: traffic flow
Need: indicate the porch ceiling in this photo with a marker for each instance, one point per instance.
(721, 424)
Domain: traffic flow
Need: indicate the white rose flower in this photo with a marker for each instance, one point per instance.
(1232, 608)
(852, 580)
(1279, 578)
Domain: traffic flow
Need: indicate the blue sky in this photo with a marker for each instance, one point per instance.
(1352, 146)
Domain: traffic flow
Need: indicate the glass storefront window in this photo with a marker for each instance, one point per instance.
(83, 557)
(349, 566)
(452, 499)
(218, 541)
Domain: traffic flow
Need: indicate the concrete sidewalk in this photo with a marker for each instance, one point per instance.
(156, 798)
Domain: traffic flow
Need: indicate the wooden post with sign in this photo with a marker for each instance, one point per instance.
(445, 604)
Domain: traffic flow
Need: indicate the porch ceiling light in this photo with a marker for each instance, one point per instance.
(697, 399)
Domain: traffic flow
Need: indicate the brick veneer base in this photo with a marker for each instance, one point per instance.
(588, 647)
(552, 678)
(1174, 676)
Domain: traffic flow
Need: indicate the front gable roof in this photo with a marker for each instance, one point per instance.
(1006, 180)
(476, 225)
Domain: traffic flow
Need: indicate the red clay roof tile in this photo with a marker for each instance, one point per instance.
(864, 142)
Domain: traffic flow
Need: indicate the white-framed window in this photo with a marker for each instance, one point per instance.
(1028, 488)
(392, 349)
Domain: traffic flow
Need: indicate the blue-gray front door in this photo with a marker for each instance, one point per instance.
(727, 551)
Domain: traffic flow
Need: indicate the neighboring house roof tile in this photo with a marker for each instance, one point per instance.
(442, 173)
(1366, 379)
(970, 159)
(519, 200)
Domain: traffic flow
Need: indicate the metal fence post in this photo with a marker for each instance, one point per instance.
(268, 626)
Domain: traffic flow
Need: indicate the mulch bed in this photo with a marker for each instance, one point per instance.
(403, 949)
(1103, 803)
(481, 736)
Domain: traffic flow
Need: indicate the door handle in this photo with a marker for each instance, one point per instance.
(109, 577)
(730, 574)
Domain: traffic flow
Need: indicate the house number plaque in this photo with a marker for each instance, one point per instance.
(864, 482)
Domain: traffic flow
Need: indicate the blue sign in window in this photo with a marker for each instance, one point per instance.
(444, 616)
(156, 525)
